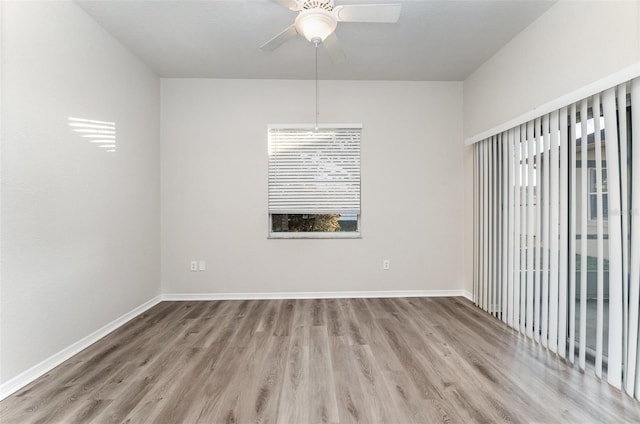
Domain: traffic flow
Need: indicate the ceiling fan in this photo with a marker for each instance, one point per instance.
(317, 21)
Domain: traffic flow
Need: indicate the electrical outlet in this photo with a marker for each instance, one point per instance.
(202, 265)
(193, 266)
(386, 264)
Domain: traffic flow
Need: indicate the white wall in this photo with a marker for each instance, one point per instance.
(80, 227)
(214, 187)
(570, 46)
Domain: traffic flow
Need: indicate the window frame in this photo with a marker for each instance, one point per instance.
(314, 234)
(592, 181)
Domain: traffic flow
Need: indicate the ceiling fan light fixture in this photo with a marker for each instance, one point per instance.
(316, 24)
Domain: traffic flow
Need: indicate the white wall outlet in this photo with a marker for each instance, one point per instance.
(386, 264)
(202, 265)
(193, 266)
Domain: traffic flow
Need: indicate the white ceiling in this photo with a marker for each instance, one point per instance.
(433, 40)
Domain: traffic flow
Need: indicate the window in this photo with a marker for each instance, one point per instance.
(314, 181)
(593, 190)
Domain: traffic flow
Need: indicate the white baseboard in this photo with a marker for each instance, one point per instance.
(26, 377)
(316, 295)
(468, 295)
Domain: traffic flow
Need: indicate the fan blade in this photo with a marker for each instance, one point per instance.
(332, 46)
(383, 13)
(289, 4)
(279, 39)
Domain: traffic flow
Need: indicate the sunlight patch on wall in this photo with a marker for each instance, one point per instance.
(100, 133)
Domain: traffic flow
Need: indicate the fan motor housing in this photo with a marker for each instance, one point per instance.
(318, 4)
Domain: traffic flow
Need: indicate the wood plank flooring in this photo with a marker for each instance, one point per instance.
(405, 360)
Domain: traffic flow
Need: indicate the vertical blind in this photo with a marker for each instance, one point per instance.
(314, 171)
(557, 232)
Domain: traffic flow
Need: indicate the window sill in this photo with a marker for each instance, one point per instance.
(309, 235)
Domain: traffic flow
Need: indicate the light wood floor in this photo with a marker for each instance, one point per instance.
(413, 360)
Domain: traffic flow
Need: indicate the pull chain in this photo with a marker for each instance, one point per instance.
(317, 100)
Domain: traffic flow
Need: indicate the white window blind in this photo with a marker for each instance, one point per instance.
(571, 210)
(314, 171)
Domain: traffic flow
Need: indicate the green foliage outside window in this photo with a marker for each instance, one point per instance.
(320, 223)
